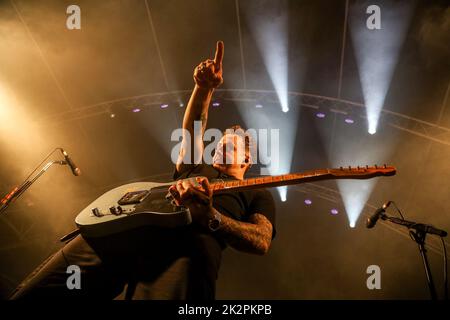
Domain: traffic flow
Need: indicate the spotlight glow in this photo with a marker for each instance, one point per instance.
(283, 193)
(135, 110)
(20, 138)
(355, 194)
(334, 211)
(377, 52)
(308, 202)
(268, 22)
(258, 106)
(277, 152)
(163, 106)
(216, 104)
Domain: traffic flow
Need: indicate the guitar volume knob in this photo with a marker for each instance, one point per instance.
(96, 212)
(116, 210)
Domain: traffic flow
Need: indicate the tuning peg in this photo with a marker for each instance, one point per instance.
(367, 167)
(341, 168)
(385, 166)
(376, 167)
(357, 167)
(349, 167)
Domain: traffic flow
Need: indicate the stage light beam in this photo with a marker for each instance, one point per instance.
(377, 51)
(268, 22)
(283, 193)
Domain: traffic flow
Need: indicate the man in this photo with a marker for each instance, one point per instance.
(180, 263)
(255, 234)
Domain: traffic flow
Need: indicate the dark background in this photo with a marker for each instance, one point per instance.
(130, 48)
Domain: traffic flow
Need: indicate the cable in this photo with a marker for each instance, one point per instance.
(398, 210)
(18, 190)
(411, 235)
(40, 164)
(445, 269)
(444, 254)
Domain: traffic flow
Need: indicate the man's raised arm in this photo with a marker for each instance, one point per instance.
(207, 77)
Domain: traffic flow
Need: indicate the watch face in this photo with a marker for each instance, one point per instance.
(214, 224)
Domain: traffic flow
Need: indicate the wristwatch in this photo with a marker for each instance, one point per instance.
(214, 223)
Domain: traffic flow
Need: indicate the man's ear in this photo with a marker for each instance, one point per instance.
(246, 162)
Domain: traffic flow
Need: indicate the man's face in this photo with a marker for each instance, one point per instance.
(231, 151)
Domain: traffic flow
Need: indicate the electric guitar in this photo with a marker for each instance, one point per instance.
(149, 203)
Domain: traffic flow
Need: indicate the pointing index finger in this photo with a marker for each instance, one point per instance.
(219, 55)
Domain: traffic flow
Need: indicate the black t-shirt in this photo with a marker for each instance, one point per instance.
(203, 249)
(237, 205)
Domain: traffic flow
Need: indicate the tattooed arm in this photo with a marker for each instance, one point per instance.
(207, 76)
(192, 143)
(254, 236)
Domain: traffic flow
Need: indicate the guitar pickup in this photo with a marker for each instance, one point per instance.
(133, 197)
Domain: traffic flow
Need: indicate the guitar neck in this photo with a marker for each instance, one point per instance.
(270, 181)
(297, 178)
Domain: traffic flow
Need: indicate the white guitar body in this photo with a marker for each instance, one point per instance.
(130, 206)
(145, 203)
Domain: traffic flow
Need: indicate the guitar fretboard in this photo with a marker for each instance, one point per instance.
(269, 181)
(307, 176)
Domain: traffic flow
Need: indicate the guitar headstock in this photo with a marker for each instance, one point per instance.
(362, 172)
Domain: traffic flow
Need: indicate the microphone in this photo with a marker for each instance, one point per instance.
(75, 170)
(372, 220)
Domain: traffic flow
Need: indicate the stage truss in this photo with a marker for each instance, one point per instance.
(417, 127)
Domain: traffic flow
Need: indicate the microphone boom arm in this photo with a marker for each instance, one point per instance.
(418, 232)
(18, 191)
(414, 225)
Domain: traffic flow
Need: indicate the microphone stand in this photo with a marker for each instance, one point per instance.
(418, 232)
(18, 191)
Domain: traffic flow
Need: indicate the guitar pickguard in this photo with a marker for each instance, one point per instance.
(155, 201)
(133, 197)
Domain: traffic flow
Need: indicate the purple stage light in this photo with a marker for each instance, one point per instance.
(320, 115)
(349, 121)
(216, 104)
(308, 202)
(334, 211)
(163, 106)
(136, 110)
